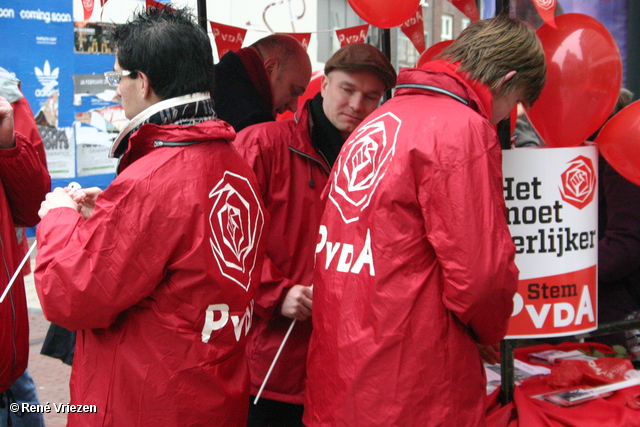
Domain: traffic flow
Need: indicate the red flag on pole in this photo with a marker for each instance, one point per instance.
(87, 6)
(357, 34)
(227, 38)
(546, 10)
(414, 29)
(303, 38)
(468, 7)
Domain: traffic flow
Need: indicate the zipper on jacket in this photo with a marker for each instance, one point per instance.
(312, 158)
(159, 143)
(433, 89)
(312, 183)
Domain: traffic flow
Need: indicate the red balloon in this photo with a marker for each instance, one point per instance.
(312, 89)
(584, 75)
(619, 142)
(430, 53)
(385, 13)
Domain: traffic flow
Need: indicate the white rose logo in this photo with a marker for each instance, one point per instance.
(366, 156)
(579, 182)
(546, 4)
(236, 227)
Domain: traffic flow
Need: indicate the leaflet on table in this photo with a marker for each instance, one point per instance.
(553, 357)
(522, 371)
(582, 394)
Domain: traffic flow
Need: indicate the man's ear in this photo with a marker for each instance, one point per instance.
(324, 84)
(145, 86)
(505, 79)
(270, 65)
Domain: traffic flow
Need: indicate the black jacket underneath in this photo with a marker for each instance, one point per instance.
(237, 102)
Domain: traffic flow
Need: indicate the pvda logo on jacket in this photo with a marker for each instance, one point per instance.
(236, 222)
(367, 157)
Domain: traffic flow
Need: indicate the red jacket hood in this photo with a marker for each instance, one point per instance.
(478, 94)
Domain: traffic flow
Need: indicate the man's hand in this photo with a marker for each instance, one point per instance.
(489, 353)
(56, 199)
(86, 200)
(297, 304)
(7, 138)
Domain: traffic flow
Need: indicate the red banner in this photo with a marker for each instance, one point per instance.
(546, 10)
(227, 38)
(87, 6)
(357, 34)
(303, 38)
(414, 29)
(468, 7)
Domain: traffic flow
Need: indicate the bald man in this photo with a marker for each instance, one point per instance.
(254, 84)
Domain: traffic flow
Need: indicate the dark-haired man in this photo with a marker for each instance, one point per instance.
(292, 160)
(157, 273)
(256, 83)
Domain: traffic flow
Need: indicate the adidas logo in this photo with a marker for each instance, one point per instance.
(48, 79)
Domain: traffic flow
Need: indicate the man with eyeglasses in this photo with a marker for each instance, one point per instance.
(157, 273)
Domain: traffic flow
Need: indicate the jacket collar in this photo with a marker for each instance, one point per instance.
(446, 76)
(152, 136)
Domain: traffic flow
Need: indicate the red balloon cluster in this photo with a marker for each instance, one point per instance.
(619, 142)
(584, 75)
(312, 89)
(385, 13)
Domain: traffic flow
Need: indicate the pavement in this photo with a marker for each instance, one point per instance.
(50, 375)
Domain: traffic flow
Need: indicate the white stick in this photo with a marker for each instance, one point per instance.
(15, 275)
(73, 186)
(275, 359)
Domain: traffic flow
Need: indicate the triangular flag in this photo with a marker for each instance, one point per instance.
(414, 29)
(227, 38)
(357, 34)
(303, 38)
(87, 6)
(547, 11)
(468, 7)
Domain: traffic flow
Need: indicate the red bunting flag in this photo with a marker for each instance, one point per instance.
(468, 7)
(546, 10)
(156, 4)
(357, 34)
(414, 29)
(87, 6)
(227, 38)
(303, 38)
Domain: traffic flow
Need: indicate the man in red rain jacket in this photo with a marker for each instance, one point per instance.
(157, 274)
(292, 160)
(414, 260)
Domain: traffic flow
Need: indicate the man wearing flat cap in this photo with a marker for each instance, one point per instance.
(292, 160)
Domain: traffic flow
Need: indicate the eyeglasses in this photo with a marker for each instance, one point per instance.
(113, 77)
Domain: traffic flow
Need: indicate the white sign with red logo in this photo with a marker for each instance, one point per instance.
(552, 211)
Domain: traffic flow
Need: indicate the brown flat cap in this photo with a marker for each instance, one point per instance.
(362, 56)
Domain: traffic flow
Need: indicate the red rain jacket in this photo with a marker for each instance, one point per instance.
(414, 263)
(24, 183)
(159, 283)
(291, 175)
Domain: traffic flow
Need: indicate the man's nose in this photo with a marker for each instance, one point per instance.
(356, 102)
(293, 104)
